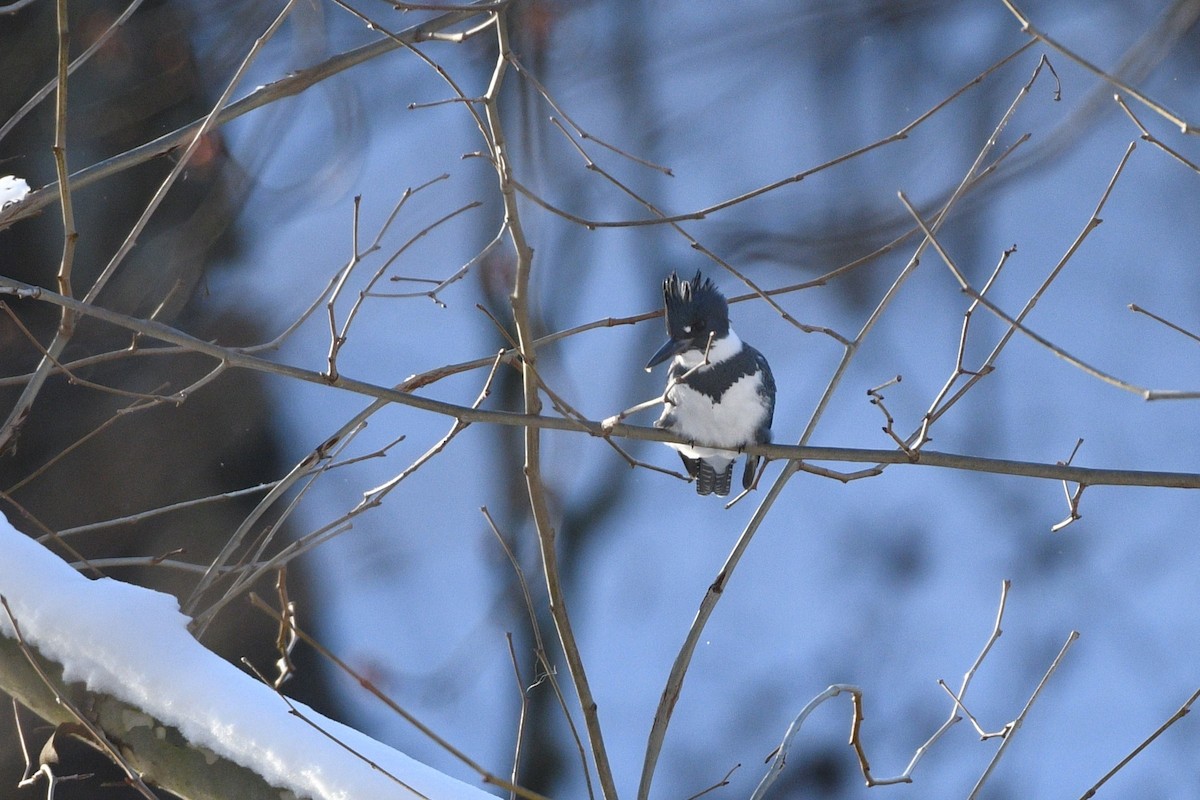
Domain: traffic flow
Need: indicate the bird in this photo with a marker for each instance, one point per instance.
(720, 393)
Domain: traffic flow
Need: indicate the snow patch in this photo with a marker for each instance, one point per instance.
(12, 190)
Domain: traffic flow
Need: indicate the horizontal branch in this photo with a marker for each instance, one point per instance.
(234, 357)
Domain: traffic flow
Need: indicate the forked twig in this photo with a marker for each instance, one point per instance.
(256, 564)
(778, 758)
(937, 408)
(373, 497)
(1150, 138)
(290, 85)
(718, 785)
(876, 398)
(703, 213)
(1072, 497)
(1016, 324)
(1012, 727)
(521, 715)
(580, 132)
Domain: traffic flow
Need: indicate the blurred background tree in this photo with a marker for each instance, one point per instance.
(85, 455)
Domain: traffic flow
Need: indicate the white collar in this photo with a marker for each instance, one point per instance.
(722, 349)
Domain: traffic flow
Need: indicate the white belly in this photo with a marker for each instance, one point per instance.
(730, 424)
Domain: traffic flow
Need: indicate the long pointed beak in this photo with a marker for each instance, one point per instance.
(670, 349)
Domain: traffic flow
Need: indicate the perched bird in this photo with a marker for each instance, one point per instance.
(720, 390)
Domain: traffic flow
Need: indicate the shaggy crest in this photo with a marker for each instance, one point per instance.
(692, 306)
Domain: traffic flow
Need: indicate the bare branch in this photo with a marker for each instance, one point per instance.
(533, 476)
(239, 358)
(667, 219)
(41, 94)
(1154, 140)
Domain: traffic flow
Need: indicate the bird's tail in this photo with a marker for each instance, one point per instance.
(751, 469)
(709, 481)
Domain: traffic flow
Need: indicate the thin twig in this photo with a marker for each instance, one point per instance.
(1072, 497)
(456, 276)
(314, 462)
(1178, 715)
(721, 784)
(140, 516)
(80, 442)
(703, 213)
(524, 711)
(256, 563)
(17, 416)
(1016, 323)
(937, 408)
(877, 398)
(1134, 307)
(29, 771)
(339, 338)
(580, 132)
(300, 715)
(778, 758)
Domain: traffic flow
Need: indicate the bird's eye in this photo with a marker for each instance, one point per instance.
(687, 329)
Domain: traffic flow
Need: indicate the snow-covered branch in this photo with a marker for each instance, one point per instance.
(178, 714)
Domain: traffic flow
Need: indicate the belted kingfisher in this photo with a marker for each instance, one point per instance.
(720, 390)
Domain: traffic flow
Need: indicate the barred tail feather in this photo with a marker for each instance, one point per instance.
(709, 481)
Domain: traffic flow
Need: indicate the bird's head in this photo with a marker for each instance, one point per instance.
(696, 312)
